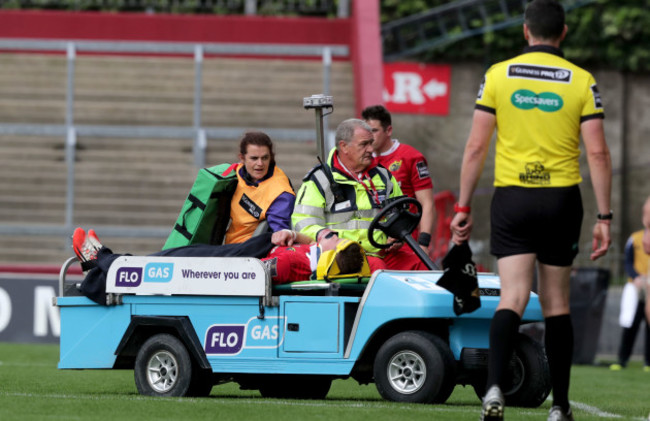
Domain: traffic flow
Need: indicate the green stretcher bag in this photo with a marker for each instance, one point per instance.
(205, 214)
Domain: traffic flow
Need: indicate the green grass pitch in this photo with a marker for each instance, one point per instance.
(32, 388)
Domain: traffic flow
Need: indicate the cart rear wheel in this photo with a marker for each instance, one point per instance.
(528, 382)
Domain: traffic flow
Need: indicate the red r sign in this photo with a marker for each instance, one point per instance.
(414, 88)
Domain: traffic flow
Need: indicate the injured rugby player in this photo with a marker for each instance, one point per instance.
(290, 256)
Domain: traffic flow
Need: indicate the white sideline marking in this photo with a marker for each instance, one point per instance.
(328, 403)
(592, 410)
(258, 401)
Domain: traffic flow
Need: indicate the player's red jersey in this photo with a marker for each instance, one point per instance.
(408, 166)
(291, 264)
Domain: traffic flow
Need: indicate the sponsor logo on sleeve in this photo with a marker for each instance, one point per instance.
(549, 74)
(480, 89)
(598, 102)
(423, 170)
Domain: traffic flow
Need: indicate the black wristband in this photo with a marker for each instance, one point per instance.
(424, 239)
(605, 217)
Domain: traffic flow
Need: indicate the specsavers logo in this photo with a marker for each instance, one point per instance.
(546, 101)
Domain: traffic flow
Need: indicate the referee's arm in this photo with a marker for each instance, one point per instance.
(476, 150)
(600, 169)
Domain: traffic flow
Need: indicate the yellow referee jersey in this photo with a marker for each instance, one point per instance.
(539, 100)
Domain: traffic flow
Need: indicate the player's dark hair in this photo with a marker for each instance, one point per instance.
(545, 19)
(379, 113)
(258, 139)
(350, 259)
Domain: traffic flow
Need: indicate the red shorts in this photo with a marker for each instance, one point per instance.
(401, 259)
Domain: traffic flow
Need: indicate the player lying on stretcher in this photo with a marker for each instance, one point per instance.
(290, 256)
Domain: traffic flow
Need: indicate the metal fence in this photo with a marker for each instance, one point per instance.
(451, 22)
(197, 133)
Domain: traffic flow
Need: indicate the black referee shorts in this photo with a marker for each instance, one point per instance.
(545, 221)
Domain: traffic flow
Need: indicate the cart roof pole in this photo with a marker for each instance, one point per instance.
(318, 103)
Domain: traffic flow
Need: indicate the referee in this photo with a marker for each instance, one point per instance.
(539, 103)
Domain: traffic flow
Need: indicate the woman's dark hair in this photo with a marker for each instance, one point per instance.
(259, 139)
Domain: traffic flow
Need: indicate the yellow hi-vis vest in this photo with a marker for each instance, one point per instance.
(316, 208)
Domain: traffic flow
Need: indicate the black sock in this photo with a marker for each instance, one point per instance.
(558, 340)
(503, 334)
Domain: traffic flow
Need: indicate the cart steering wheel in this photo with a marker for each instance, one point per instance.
(396, 221)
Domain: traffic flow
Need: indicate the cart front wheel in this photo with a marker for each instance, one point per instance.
(415, 367)
(163, 367)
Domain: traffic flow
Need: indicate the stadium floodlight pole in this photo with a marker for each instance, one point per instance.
(318, 103)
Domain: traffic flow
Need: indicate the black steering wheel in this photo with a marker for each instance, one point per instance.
(396, 220)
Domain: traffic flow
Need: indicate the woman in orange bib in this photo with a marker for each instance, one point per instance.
(263, 190)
